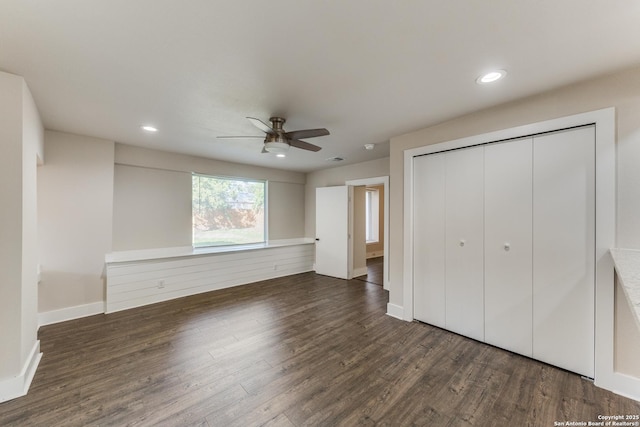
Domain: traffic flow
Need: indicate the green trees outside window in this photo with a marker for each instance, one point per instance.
(227, 211)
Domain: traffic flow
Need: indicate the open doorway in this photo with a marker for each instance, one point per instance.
(370, 230)
(375, 271)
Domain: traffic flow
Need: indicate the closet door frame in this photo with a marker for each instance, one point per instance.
(605, 171)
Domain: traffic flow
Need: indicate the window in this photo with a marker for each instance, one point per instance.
(227, 211)
(372, 206)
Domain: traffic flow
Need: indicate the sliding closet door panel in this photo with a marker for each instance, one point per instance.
(508, 245)
(563, 249)
(429, 239)
(464, 242)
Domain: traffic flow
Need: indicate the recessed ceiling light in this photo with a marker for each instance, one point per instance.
(491, 77)
(281, 155)
(369, 146)
(148, 128)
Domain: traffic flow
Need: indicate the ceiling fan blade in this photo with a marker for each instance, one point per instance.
(240, 137)
(306, 133)
(304, 145)
(261, 125)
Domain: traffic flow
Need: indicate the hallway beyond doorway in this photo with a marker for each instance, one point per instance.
(374, 271)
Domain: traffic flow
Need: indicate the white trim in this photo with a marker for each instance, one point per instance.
(360, 271)
(384, 180)
(70, 313)
(407, 287)
(18, 386)
(622, 384)
(350, 225)
(394, 310)
(604, 120)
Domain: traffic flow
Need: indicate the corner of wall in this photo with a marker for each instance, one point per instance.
(75, 220)
(18, 386)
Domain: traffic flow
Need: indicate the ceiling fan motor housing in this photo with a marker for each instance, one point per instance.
(277, 123)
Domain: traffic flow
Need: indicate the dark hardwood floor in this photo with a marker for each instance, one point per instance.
(305, 350)
(374, 271)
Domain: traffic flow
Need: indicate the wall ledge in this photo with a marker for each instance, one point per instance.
(189, 251)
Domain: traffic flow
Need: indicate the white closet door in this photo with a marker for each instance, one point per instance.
(563, 249)
(429, 239)
(464, 292)
(508, 245)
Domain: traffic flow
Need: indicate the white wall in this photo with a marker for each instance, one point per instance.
(620, 90)
(136, 156)
(337, 176)
(32, 155)
(75, 210)
(151, 208)
(10, 224)
(20, 151)
(286, 210)
(96, 196)
(152, 197)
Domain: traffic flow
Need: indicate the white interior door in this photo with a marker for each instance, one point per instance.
(429, 239)
(508, 245)
(564, 249)
(333, 243)
(464, 248)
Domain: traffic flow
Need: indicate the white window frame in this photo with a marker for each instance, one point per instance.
(372, 210)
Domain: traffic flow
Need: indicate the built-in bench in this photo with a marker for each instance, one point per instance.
(141, 277)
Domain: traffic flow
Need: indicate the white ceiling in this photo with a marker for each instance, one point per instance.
(366, 70)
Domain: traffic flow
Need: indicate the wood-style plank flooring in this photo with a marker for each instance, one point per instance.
(305, 350)
(374, 271)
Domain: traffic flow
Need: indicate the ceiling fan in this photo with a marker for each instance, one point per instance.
(277, 141)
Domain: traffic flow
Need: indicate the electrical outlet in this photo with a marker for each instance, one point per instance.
(160, 284)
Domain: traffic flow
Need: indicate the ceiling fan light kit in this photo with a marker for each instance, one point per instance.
(277, 141)
(276, 147)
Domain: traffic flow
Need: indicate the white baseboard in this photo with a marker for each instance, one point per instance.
(396, 311)
(18, 386)
(621, 384)
(375, 254)
(70, 313)
(362, 271)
